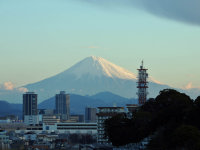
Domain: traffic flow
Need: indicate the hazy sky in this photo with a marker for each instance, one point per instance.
(40, 38)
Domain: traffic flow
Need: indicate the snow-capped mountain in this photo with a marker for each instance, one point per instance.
(98, 67)
(90, 76)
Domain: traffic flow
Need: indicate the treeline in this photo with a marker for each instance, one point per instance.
(170, 121)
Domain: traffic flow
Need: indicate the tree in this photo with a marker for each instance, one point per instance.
(118, 129)
(186, 137)
(193, 116)
(169, 119)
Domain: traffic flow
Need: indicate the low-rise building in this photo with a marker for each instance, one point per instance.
(76, 118)
(30, 136)
(31, 119)
(3, 137)
(71, 128)
(50, 119)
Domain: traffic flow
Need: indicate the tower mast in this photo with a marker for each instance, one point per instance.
(142, 85)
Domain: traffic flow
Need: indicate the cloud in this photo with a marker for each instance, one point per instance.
(187, 11)
(189, 86)
(22, 89)
(8, 85)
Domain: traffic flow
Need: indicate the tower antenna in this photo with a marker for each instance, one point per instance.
(142, 84)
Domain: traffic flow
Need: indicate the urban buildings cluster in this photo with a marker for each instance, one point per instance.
(57, 119)
(51, 129)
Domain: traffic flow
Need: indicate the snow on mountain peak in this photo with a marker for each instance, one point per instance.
(98, 66)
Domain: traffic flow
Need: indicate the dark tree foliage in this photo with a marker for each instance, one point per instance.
(171, 121)
(118, 129)
(186, 137)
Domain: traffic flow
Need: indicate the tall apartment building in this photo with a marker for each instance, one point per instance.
(62, 105)
(30, 108)
(90, 114)
(103, 114)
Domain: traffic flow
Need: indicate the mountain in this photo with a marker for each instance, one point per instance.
(90, 76)
(10, 109)
(78, 102)
(108, 97)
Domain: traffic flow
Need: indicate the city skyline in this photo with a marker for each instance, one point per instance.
(48, 37)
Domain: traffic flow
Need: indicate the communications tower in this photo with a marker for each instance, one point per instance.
(142, 85)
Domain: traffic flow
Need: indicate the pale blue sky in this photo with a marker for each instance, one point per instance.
(40, 38)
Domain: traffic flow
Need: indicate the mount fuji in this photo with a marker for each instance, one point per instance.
(91, 76)
(88, 77)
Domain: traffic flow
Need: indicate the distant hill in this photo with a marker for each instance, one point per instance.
(10, 109)
(78, 102)
(110, 98)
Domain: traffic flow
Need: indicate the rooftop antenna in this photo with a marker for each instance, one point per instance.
(142, 64)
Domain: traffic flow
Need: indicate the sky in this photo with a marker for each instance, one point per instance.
(41, 38)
